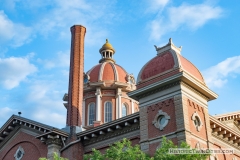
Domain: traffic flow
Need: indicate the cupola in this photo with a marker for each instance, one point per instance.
(107, 51)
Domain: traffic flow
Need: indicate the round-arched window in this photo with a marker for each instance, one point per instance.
(108, 111)
(124, 109)
(91, 113)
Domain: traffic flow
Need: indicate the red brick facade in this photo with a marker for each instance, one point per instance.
(33, 148)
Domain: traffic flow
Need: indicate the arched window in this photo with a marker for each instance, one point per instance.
(91, 113)
(124, 109)
(108, 112)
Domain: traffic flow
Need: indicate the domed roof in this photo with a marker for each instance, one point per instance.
(167, 63)
(108, 72)
(107, 46)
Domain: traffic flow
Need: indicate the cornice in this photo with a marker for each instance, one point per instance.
(21, 122)
(225, 141)
(118, 124)
(54, 137)
(151, 89)
(194, 90)
(112, 134)
(179, 77)
(224, 132)
(228, 116)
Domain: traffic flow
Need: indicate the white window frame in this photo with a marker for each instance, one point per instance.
(194, 116)
(20, 149)
(106, 113)
(89, 105)
(160, 114)
(126, 106)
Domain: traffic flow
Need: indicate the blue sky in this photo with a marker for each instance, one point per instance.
(35, 44)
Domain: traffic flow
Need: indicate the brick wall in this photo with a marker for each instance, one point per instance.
(33, 148)
(166, 106)
(74, 152)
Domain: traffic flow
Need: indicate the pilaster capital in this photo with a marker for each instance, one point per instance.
(56, 141)
(98, 92)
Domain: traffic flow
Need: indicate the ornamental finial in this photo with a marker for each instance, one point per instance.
(170, 40)
(106, 40)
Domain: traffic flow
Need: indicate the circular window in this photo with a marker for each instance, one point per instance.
(161, 120)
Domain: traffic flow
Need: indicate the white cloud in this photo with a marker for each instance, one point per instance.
(218, 75)
(47, 102)
(157, 5)
(6, 112)
(17, 34)
(14, 70)
(49, 117)
(62, 60)
(190, 16)
(89, 14)
(55, 20)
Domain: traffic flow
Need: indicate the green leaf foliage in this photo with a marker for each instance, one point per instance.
(162, 153)
(119, 151)
(125, 151)
(55, 157)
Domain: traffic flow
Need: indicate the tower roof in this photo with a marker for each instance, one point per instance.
(107, 46)
(107, 71)
(168, 62)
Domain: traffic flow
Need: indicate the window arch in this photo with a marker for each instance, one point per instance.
(91, 113)
(108, 112)
(124, 109)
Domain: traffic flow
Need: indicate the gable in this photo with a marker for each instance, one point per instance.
(24, 138)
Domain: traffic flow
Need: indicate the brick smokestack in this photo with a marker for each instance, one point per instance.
(75, 88)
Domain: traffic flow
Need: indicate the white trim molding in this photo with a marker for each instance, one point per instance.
(19, 153)
(197, 122)
(158, 118)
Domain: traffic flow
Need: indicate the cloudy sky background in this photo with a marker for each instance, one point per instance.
(35, 44)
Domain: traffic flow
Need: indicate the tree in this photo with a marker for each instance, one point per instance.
(119, 151)
(55, 157)
(162, 153)
(125, 151)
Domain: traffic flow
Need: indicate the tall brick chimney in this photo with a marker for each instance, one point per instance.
(75, 88)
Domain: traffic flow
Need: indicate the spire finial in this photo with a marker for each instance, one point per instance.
(106, 40)
(170, 40)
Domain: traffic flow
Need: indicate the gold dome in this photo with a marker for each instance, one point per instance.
(107, 46)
